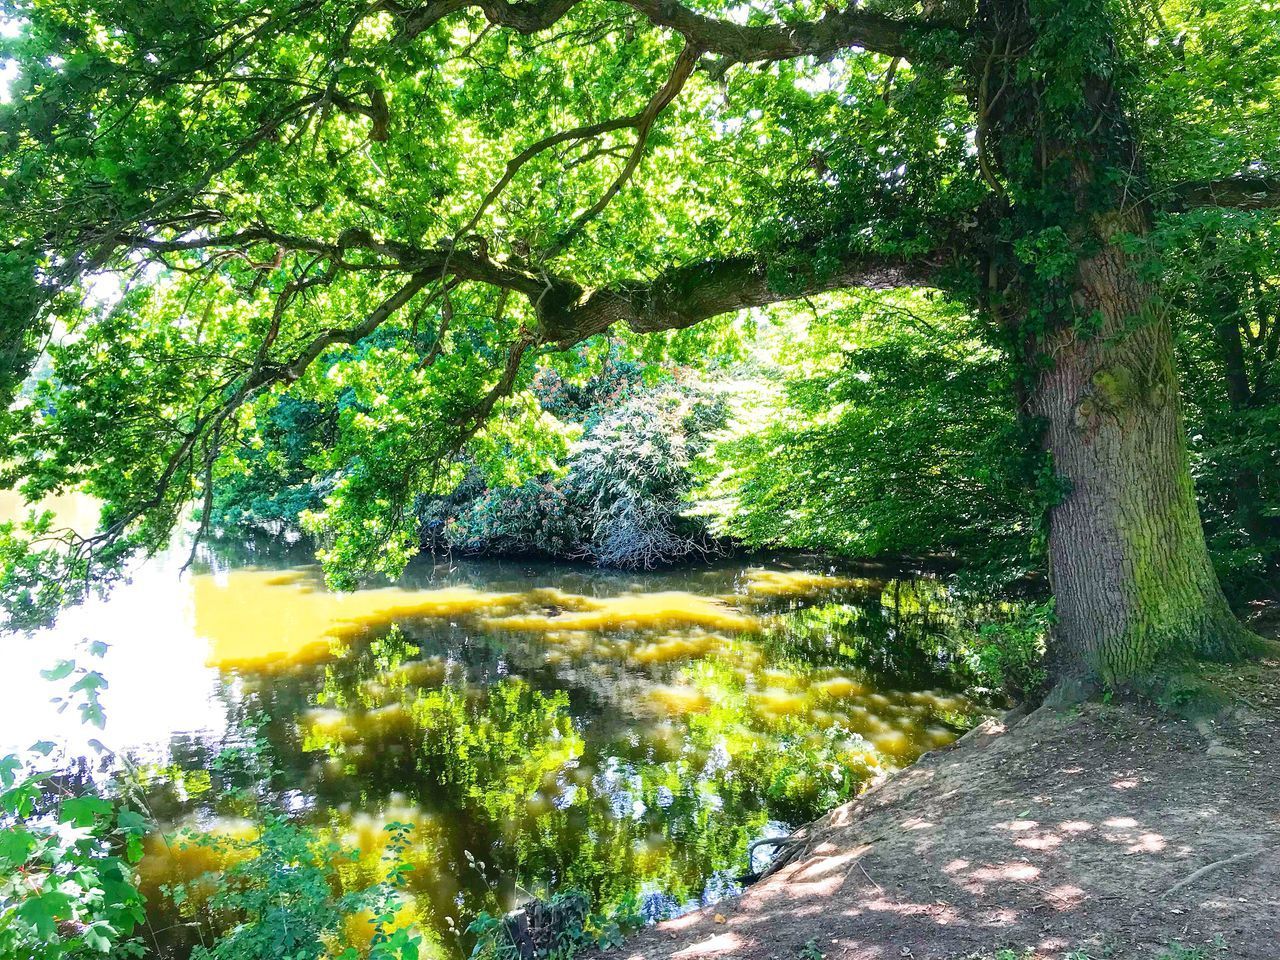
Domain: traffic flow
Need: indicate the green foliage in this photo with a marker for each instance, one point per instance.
(1009, 656)
(885, 429)
(1220, 276)
(280, 897)
(67, 886)
(268, 482)
(67, 881)
(622, 496)
(36, 580)
(280, 164)
(395, 215)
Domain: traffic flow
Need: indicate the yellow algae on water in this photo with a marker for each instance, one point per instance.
(419, 673)
(895, 743)
(838, 688)
(270, 619)
(330, 724)
(678, 647)
(666, 608)
(761, 582)
(780, 702)
(678, 700)
(264, 619)
(939, 736)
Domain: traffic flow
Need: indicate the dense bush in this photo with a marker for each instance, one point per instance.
(622, 498)
(882, 427)
(267, 484)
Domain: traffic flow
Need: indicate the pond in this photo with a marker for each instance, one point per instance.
(540, 728)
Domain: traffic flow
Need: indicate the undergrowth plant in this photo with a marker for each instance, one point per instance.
(1010, 656)
(67, 857)
(280, 896)
(555, 929)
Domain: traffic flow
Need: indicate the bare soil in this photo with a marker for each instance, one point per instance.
(1112, 829)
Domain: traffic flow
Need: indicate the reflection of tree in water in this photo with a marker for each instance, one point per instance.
(640, 761)
(909, 633)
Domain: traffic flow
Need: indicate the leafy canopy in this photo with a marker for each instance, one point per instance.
(414, 205)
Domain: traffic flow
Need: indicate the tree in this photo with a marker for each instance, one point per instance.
(1221, 287)
(494, 181)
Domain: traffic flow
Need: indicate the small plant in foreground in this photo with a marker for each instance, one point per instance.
(280, 901)
(1010, 655)
(66, 870)
(555, 929)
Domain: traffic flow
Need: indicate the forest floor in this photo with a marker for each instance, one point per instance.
(1103, 831)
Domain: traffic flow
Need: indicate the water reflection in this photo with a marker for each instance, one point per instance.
(541, 727)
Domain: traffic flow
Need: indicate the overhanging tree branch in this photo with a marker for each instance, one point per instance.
(1241, 192)
(685, 295)
(835, 31)
(567, 312)
(565, 315)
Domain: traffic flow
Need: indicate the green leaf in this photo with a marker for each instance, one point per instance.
(90, 682)
(132, 821)
(16, 844)
(96, 939)
(82, 811)
(59, 672)
(43, 912)
(43, 747)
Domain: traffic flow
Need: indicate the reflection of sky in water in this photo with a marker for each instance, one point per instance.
(159, 682)
(565, 727)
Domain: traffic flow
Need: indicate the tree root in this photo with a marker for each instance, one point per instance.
(1210, 868)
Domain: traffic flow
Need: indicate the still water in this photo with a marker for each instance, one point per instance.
(540, 727)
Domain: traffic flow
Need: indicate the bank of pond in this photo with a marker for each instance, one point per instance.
(514, 730)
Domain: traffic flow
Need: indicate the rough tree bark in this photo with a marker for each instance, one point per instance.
(1127, 556)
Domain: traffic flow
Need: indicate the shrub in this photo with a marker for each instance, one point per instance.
(1009, 656)
(282, 896)
(66, 871)
(621, 501)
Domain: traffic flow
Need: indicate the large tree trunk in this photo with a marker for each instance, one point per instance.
(1128, 563)
(1129, 567)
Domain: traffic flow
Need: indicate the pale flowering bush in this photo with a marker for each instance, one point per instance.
(621, 501)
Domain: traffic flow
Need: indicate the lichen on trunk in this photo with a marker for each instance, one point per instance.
(1129, 567)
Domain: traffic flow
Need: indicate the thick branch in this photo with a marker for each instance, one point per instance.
(1243, 192)
(686, 295)
(679, 297)
(394, 256)
(835, 31)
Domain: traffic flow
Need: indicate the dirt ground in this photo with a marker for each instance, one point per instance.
(1115, 830)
